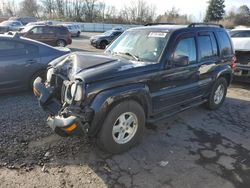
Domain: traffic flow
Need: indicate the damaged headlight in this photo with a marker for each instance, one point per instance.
(77, 91)
(50, 73)
(74, 91)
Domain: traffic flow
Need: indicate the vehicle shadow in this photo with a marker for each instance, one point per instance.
(156, 160)
(195, 144)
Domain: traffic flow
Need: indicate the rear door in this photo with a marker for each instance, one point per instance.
(208, 59)
(18, 62)
(49, 35)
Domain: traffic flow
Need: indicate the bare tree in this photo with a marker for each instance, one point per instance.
(138, 11)
(48, 8)
(89, 8)
(29, 8)
(174, 16)
(9, 7)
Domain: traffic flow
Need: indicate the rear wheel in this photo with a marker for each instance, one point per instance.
(78, 34)
(218, 94)
(61, 43)
(122, 128)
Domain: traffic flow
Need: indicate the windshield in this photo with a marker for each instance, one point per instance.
(140, 45)
(107, 33)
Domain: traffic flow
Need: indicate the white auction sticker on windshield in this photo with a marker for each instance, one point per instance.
(157, 34)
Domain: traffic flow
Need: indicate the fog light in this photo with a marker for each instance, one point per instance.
(70, 128)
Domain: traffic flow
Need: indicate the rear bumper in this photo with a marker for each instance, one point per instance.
(69, 41)
(63, 121)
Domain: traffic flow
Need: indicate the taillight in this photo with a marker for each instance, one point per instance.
(233, 62)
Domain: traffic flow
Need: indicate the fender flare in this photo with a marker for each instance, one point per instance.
(227, 73)
(105, 100)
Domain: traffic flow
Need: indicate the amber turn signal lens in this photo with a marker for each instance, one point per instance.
(71, 128)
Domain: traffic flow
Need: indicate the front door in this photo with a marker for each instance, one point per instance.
(35, 33)
(177, 84)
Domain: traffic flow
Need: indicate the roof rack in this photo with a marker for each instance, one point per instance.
(165, 23)
(205, 24)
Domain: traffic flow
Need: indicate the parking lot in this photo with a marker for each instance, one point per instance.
(196, 148)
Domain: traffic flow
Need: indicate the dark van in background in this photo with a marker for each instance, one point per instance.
(52, 35)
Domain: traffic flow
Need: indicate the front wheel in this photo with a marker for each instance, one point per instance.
(122, 128)
(218, 94)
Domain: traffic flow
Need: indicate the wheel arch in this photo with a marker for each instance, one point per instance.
(227, 75)
(106, 100)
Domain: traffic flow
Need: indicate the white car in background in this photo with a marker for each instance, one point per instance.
(241, 39)
(74, 29)
(11, 25)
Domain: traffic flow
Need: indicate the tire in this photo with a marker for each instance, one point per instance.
(216, 102)
(103, 44)
(60, 43)
(108, 135)
(78, 34)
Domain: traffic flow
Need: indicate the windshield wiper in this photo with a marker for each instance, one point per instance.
(128, 54)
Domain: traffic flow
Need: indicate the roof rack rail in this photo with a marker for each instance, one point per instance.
(205, 24)
(164, 23)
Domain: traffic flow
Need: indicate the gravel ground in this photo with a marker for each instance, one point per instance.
(196, 148)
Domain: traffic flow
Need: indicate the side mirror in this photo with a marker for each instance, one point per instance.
(181, 60)
(31, 32)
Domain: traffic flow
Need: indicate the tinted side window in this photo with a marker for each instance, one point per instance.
(186, 47)
(62, 30)
(10, 45)
(241, 34)
(226, 48)
(37, 30)
(205, 46)
(14, 48)
(48, 30)
(208, 46)
(11, 48)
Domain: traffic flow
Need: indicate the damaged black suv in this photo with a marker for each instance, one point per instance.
(147, 74)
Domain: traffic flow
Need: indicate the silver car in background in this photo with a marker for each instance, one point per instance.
(74, 29)
(10, 25)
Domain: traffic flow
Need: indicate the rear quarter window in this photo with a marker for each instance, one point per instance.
(225, 44)
(62, 30)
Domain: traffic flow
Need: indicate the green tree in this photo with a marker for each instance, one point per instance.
(215, 10)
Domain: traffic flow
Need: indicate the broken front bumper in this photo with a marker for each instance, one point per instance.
(63, 121)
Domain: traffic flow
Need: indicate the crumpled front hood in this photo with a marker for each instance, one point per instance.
(92, 67)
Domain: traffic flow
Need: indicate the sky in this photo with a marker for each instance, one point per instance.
(197, 8)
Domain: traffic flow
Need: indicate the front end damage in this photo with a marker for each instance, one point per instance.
(63, 99)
